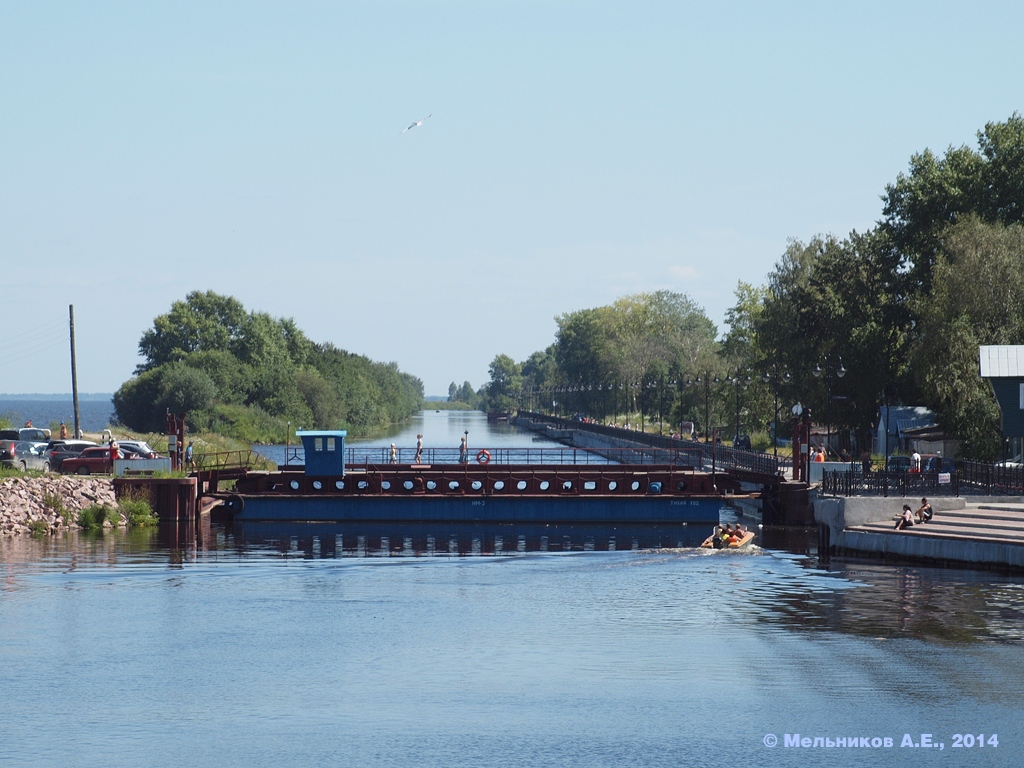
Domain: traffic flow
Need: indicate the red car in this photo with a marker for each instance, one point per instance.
(89, 462)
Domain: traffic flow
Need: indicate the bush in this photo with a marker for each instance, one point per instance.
(137, 510)
(39, 527)
(94, 516)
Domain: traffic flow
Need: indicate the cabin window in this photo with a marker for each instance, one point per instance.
(612, 485)
(521, 485)
(454, 485)
(339, 484)
(318, 444)
(500, 485)
(544, 485)
(330, 443)
(590, 485)
(636, 485)
(1022, 396)
(294, 485)
(407, 485)
(317, 485)
(362, 485)
(386, 485)
(567, 485)
(477, 485)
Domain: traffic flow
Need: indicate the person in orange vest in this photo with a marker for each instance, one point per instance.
(819, 456)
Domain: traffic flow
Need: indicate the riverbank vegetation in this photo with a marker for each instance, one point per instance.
(900, 309)
(249, 375)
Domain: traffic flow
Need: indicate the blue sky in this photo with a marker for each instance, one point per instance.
(577, 152)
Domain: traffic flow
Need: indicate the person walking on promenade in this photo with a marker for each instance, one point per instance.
(419, 450)
(190, 459)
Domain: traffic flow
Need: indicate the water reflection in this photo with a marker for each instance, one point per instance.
(459, 539)
(776, 589)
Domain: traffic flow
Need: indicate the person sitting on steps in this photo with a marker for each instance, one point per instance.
(924, 512)
(906, 519)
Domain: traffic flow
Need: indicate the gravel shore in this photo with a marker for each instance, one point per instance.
(24, 500)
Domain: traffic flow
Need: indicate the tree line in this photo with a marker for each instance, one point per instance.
(843, 325)
(247, 374)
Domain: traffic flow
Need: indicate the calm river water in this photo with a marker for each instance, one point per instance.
(448, 647)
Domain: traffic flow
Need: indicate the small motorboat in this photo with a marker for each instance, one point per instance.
(714, 541)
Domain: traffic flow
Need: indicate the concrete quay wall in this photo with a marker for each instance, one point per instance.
(980, 547)
(935, 550)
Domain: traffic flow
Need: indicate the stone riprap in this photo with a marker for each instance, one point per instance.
(22, 501)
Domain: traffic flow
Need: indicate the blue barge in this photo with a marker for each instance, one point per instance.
(326, 490)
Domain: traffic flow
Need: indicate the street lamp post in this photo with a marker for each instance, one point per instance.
(707, 401)
(839, 372)
(774, 377)
(737, 381)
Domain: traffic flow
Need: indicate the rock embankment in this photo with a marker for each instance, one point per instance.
(54, 499)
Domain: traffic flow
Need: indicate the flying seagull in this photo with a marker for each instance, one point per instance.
(417, 124)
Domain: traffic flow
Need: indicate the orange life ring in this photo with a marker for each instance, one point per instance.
(483, 457)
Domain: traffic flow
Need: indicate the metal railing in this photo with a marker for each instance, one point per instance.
(990, 480)
(224, 460)
(539, 456)
(710, 454)
(856, 483)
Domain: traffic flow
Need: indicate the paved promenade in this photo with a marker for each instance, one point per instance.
(974, 533)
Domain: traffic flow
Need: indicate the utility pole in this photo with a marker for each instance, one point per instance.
(74, 369)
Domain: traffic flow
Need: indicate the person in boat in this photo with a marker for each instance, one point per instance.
(924, 512)
(419, 450)
(464, 449)
(394, 454)
(906, 519)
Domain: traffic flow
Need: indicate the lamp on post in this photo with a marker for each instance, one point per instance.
(707, 401)
(737, 381)
(839, 372)
(774, 377)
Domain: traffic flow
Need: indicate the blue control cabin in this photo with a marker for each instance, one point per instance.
(325, 451)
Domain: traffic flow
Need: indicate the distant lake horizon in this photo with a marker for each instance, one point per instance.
(95, 412)
(58, 396)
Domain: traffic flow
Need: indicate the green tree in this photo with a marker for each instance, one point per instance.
(977, 299)
(505, 384)
(203, 322)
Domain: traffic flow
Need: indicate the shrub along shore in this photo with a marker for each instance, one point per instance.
(54, 503)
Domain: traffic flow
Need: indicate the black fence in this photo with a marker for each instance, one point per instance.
(857, 483)
(970, 478)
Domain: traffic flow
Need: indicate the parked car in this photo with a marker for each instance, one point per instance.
(21, 454)
(741, 441)
(137, 448)
(933, 462)
(91, 461)
(34, 434)
(58, 450)
(898, 464)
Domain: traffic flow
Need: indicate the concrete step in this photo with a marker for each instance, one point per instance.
(1007, 535)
